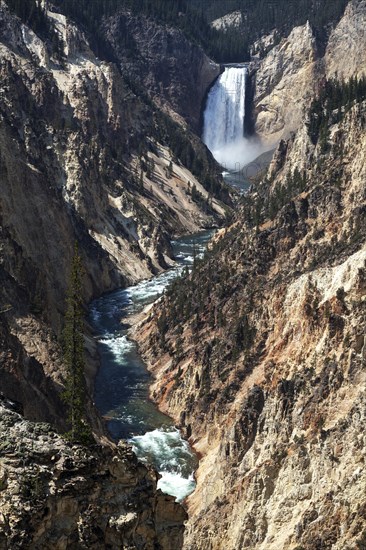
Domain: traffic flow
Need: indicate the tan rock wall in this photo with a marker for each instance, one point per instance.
(53, 494)
(291, 73)
(278, 426)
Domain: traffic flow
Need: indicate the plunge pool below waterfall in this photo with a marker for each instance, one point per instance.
(122, 383)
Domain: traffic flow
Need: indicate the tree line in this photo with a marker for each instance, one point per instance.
(262, 16)
(334, 100)
(193, 17)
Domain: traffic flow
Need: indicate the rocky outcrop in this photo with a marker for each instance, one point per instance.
(266, 370)
(172, 71)
(285, 83)
(291, 73)
(82, 158)
(233, 19)
(31, 369)
(346, 52)
(56, 495)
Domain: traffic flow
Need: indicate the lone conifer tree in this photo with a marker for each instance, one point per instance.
(75, 386)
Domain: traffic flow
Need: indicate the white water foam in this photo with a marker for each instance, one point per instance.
(149, 290)
(127, 404)
(119, 345)
(176, 485)
(171, 456)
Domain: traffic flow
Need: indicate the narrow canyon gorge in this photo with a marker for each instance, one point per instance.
(197, 170)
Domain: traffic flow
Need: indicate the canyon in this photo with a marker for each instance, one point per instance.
(257, 353)
(80, 153)
(270, 387)
(83, 157)
(267, 380)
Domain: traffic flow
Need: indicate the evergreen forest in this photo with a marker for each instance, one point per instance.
(193, 17)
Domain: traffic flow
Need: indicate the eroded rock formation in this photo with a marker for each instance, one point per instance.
(173, 72)
(260, 356)
(54, 495)
(292, 71)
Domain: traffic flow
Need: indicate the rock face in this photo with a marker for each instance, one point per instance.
(31, 368)
(53, 495)
(173, 72)
(267, 371)
(80, 159)
(346, 52)
(284, 83)
(290, 74)
(233, 19)
(69, 140)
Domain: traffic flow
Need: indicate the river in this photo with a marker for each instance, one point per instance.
(122, 383)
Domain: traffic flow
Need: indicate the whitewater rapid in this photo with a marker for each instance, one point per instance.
(171, 456)
(122, 383)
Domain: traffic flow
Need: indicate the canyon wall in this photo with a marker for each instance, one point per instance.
(260, 356)
(174, 72)
(54, 495)
(285, 83)
(83, 158)
(345, 55)
(291, 73)
(79, 156)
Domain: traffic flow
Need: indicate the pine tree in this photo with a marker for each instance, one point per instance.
(75, 387)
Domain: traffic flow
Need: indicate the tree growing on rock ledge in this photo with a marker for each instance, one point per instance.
(74, 394)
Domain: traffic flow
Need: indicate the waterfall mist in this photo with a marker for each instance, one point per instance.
(224, 121)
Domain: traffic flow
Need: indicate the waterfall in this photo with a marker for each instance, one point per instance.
(224, 118)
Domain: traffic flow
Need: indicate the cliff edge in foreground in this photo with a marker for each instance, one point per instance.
(54, 495)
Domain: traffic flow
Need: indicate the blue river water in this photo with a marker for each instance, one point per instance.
(122, 383)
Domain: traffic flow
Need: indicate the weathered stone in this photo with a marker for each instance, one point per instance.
(278, 423)
(87, 499)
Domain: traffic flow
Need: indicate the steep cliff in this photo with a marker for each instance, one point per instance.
(260, 355)
(172, 71)
(293, 70)
(77, 140)
(285, 83)
(82, 157)
(345, 55)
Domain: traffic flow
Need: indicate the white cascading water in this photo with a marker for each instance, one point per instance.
(223, 131)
